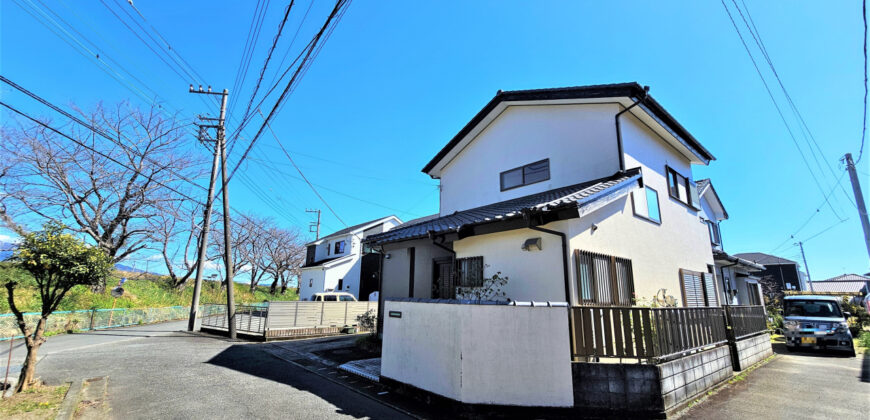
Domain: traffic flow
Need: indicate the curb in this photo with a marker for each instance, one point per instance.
(70, 401)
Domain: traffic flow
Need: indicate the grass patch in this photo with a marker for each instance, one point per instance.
(39, 402)
(862, 343)
(140, 291)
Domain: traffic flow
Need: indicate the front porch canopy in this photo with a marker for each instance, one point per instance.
(548, 206)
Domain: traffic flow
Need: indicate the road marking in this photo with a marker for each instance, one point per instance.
(383, 393)
(322, 368)
(342, 377)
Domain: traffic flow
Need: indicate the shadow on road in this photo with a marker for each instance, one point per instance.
(780, 348)
(253, 361)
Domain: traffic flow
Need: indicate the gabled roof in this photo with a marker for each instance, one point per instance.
(575, 195)
(326, 261)
(762, 258)
(840, 286)
(360, 227)
(631, 90)
(705, 186)
(848, 277)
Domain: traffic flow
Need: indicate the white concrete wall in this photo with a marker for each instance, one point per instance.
(532, 275)
(579, 140)
(396, 268)
(480, 354)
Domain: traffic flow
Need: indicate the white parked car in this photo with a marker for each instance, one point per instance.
(333, 297)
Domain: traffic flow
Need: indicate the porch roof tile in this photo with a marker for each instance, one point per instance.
(577, 194)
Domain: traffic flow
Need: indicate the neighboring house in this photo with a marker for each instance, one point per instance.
(737, 277)
(338, 262)
(785, 273)
(580, 194)
(844, 283)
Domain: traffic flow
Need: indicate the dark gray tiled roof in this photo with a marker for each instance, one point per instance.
(613, 90)
(848, 277)
(353, 228)
(762, 258)
(702, 183)
(578, 194)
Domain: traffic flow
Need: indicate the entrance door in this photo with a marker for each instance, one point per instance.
(442, 278)
(369, 275)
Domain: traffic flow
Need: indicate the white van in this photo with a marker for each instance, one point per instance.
(333, 297)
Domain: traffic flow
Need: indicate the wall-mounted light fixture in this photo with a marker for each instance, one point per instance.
(532, 243)
(594, 227)
(387, 256)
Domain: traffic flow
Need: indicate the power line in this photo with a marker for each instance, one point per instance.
(339, 5)
(250, 46)
(268, 58)
(96, 130)
(58, 132)
(804, 128)
(864, 128)
(776, 105)
(816, 212)
(826, 229)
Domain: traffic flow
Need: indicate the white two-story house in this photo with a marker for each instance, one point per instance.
(338, 263)
(582, 195)
(737, 277)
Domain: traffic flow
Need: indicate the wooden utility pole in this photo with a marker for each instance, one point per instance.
(315, 225)
(219, 153)
(806, 267)
(859, 199)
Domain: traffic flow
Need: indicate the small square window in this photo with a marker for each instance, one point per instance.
(511, 179)
(339, 247)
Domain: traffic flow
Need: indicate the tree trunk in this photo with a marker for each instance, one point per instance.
(29, 368)
(274, 287)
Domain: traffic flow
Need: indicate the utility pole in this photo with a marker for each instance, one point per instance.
(809, 279)
(220, 152)
(859, 199)
(315, 225)
(203, 236)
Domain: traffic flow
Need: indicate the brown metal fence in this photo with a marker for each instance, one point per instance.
(745, 321)
(650, 334)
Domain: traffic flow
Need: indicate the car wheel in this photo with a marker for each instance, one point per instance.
(790, 348)
(852, 351)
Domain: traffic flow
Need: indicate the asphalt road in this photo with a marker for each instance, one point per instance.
(156, 372)
(795, 386)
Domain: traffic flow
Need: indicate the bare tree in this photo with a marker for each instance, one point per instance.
(82, 185)
(175, 230)
(259, 237)
(287, 253)
(240, 235)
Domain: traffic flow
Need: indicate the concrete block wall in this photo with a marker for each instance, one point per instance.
(752, 350)
(624, 387)
(687, 377)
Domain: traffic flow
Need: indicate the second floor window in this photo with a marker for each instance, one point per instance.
(646, 204)
(525, 175)
(339, 248)
(715, 236)
(680, 187)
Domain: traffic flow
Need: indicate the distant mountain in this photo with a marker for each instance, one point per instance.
(128, 269)
(6, 249)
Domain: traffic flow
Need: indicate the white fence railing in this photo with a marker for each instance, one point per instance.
(295, 314)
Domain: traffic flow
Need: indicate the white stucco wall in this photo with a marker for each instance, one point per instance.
(396, 268)
(532, 275)
(579, 140)
(481, 354)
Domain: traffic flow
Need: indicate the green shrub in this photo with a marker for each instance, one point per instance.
(864, 339)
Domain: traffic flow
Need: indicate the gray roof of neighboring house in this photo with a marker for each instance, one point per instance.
(704, 183)
(762, 258)
(614, 90)
(325, 261)
(723, 256)
(840, 286)
(847, 277)
(578, 194)
(350, 229)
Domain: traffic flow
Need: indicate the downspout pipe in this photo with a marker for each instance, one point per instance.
(619, 130)
(564, 238)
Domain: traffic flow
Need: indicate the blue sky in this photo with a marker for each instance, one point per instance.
(398, 79)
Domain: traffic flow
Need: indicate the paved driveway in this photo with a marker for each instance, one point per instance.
(155, 373)
(795, 386)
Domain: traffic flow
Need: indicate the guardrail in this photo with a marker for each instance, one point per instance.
(745, 321)
(650, 334)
